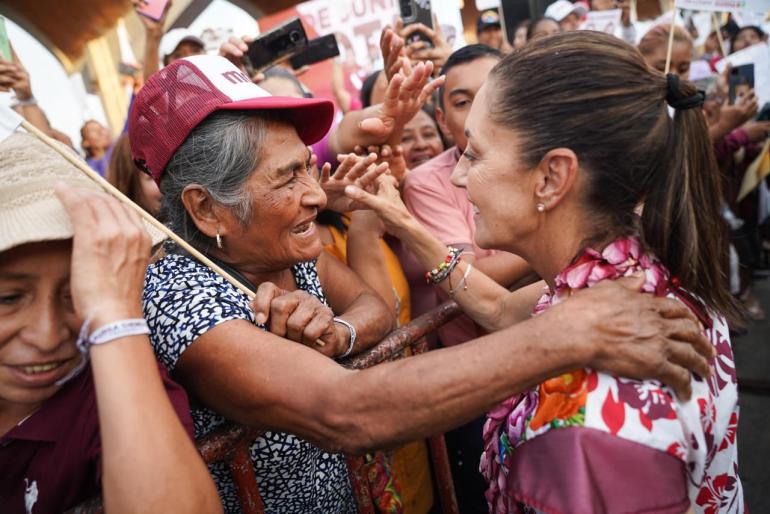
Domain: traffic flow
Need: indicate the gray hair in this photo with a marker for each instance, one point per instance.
(220, 155)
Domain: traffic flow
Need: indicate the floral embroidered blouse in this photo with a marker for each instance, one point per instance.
(587, 441)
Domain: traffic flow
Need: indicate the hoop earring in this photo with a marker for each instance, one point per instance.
(541, 207)
(219, 241)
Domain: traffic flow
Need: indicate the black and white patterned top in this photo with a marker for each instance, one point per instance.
(183, 299)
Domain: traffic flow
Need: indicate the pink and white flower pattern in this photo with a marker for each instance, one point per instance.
(700, 432)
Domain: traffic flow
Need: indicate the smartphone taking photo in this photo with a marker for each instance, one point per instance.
(318, 49)
(153, 9)
(416, 11)
(740, 81)
(276, 45)
(5, 44)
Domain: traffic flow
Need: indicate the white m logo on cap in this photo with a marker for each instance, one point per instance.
(236, 76)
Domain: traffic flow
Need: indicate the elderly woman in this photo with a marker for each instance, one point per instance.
(78, 379)
(232, 163)
(566, 199)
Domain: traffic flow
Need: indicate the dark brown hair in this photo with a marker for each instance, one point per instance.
(593, 93)
(123, 173)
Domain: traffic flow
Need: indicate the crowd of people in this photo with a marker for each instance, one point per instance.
(575, 192)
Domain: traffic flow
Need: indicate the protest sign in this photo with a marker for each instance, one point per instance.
(358, 25)
(602, 21)
(759, 55)
(752, 6)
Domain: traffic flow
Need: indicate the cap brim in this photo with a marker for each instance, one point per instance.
(312, 117)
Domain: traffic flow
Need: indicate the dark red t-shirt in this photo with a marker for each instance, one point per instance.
(51, 461)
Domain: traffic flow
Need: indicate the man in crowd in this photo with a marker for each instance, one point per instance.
(566, 14)
(489, 31)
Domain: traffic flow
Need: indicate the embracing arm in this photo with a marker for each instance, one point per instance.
(256, 378)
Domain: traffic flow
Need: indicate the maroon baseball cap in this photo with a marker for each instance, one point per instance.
(177, 98)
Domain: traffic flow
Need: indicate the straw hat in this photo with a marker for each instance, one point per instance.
(29, 209)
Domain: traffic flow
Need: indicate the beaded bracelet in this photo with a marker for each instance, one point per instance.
(443, 270)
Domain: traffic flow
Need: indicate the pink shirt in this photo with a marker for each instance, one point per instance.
(445, 211)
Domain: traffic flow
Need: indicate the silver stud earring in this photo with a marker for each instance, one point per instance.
(219, 241)
(541, 207)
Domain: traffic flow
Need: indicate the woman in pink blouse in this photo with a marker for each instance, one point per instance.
(568, 141)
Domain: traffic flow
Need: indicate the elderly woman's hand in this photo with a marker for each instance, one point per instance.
(635, 335)
(353, 170)
(300, 317)
(110, 253)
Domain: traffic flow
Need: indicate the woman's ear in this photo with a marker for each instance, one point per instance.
(205, 213)
(558, 170)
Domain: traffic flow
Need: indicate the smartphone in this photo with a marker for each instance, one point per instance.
(318, 49)
(153, 9)
(276, 45)
(416, 11)
(740, 81)
(5, 45)
(764, 113)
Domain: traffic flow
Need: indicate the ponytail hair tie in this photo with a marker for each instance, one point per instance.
(679, 101)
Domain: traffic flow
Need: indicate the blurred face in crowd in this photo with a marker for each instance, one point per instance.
(38, 326)
(681, 58)
(491, 36)
(745, 38)
(462, 83)
(285, 198)
(544, 28)
(149, 194)
(602, 5)
(182, 50)
(281, 86)
(421, 140)
(570, 22)
(520, 37)
(96, 137)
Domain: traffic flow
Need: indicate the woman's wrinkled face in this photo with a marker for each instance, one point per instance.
(499, 187)
(420, 140)
(285, 198)
(38, 326)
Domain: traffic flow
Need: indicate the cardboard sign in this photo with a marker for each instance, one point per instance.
(752, 6)
(603, 21)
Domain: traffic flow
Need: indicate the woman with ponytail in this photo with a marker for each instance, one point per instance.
(589, 178)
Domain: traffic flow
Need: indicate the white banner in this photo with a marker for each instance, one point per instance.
(358, 25)
(602, 21)
(752, 6)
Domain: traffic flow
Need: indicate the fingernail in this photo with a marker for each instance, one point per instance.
(260, 318)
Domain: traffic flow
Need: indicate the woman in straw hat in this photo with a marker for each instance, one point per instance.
(78, 380)
(231, 162)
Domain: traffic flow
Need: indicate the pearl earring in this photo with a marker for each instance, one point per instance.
(219, 241)
(541, 207)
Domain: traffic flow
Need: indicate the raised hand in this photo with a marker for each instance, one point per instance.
(361, 171)
(437, 51)
(403, 98)
(386, 202)
(110, 253)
